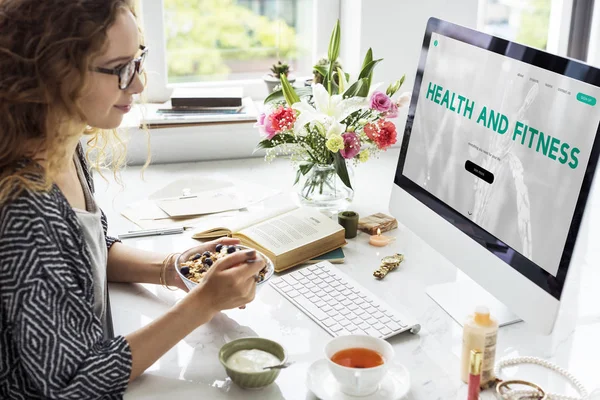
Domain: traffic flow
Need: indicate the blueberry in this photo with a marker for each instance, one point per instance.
(231, 249)
(218, 248)
(206, 254)
(196, 256)
(184, 271)
(208, 262)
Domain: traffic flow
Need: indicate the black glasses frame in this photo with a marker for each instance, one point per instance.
(138, 65)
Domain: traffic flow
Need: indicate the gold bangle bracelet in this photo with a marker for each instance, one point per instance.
(504, 391)
(162, 277)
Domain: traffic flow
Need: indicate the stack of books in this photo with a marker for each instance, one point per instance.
(201, 105)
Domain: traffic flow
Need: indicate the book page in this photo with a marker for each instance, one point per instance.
(235, 222)
(292, 230)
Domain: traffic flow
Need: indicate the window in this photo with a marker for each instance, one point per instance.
(232, 42)
(523, 21)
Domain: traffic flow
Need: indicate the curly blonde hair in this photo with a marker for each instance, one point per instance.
(46, 49)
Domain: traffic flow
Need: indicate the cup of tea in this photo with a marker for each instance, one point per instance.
(358, 362)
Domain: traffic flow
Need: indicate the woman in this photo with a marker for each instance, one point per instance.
(69, 67)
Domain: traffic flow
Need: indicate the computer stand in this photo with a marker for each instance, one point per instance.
(460, 298)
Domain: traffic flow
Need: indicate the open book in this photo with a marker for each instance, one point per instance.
(288, 236)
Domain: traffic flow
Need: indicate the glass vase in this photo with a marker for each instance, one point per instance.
(323, 189)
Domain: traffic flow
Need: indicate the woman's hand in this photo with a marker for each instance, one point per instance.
(229, 283)
(172, 278)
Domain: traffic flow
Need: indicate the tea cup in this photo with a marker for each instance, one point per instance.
(359, 381)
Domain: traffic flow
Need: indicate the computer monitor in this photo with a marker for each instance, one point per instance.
(496, 163)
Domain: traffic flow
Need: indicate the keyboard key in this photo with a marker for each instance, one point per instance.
(310, 285)
(343, 332)
(373, 332)
(378, 315)
(293, 293)
(326, 298)
(328, 279)
(364, 306)
(328, 322)
(339, 297)
(304, 290)
(385, 331)
(379, 326)
(311, 308)
(384, 320)
(330, 291)
(347, 292)
(346, 302)
(311, 296)
(298, 286)
(393, 326)
(336, 328)
(364, 326)
(289, 279)
(314, 268)
(325, 307)
(371, 310)
(332, 312)
(339, 317)
(345, 323)
(338, 307)
(372, 321)
(353, 307)
(305, 272)
(345, 312)
(352, 296)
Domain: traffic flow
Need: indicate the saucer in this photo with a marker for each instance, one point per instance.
(395, 385)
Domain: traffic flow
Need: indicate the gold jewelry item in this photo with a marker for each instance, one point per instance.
(504, 390)
(162, 277)
(388, 263)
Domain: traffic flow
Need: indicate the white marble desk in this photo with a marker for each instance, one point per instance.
(192, 370)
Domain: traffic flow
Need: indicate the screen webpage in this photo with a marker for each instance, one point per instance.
(504, 143)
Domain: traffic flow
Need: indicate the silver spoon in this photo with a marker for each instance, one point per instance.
(280, 366)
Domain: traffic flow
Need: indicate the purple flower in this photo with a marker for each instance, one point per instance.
(380, 101)
(265, 126)
(351, 145)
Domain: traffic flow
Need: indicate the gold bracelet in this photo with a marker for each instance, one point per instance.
(162, 278)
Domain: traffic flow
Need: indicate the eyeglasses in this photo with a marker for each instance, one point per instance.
(126, 72)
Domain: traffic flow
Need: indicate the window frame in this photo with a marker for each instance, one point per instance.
(325, 14)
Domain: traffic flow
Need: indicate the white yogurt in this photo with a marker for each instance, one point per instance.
(251, 360)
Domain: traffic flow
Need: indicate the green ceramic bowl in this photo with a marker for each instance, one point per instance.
(252, 380)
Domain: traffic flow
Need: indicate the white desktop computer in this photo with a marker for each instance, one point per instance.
(496, 165)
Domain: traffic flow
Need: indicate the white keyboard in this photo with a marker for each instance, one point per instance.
(339, 304)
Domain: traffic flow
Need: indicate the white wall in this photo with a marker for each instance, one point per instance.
(393, 28)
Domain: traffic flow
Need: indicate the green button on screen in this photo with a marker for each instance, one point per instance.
(587, 99)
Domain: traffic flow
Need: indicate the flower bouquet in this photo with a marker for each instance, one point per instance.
(324, 126)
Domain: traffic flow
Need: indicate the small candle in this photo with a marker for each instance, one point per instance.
(379, 240)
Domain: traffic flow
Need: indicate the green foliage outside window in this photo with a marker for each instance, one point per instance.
(535, 19)
(203, 36)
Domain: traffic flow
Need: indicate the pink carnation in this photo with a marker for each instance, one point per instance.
(351, 145)
(380, 101)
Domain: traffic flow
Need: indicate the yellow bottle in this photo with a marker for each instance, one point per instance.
(479, 333)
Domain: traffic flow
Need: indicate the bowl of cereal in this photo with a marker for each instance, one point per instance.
(191, 267)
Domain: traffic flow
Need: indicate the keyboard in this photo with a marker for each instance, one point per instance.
(339, 304)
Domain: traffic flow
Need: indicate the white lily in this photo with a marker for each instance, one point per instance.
(328, 110)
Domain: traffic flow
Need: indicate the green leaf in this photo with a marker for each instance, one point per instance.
(358, 88)
(321, 70)
(368, 58)
(340, 167)
(288, 91)
(334, 43)
(393, 87)
(305, 168)
(278, 95)
(298, 173)
(367, 71)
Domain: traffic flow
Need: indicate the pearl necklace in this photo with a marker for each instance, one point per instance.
(507, 362)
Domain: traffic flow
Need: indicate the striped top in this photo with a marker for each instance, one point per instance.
(51, 341)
